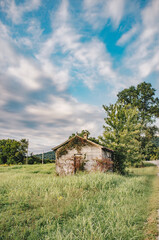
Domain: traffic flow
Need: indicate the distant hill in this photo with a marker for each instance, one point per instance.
(48, 155)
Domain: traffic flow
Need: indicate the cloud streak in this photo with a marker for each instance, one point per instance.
(142, 56)
(98, 11)
(16, 12)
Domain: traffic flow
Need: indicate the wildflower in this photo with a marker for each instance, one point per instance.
(60, 198)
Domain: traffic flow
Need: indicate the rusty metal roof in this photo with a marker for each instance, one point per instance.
(93, 143)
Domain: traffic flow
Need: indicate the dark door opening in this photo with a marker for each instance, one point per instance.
(77, 162)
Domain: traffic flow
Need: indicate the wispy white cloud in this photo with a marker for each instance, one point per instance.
(31, 41)
(98, 12)
(94, 62)
(14, 65)
(142, 55)
(34, 29)
(15, 12)
(127, 36)
(91, 58)
(26, 73)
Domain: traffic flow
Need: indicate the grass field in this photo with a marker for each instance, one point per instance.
(36, 204)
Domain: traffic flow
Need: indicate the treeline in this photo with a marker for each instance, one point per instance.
(48, 155)
(15, 152)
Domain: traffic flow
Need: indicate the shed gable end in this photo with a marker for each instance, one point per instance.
(74, 143)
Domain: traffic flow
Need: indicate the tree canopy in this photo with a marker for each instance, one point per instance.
(121, 134)
(12, 151)
(142, 97)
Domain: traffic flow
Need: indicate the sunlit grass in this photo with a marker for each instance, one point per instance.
(36, 204)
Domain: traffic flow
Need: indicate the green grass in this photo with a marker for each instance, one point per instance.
(36, 204)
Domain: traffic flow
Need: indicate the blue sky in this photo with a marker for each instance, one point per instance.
(61, 60)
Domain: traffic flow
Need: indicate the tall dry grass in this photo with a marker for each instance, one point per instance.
(36, 204)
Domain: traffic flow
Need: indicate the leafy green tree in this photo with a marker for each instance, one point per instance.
(148, 142)
(156, 141)
(142, 97)
(121, 134)
(33, 159)
(95, 140)
(12, 151)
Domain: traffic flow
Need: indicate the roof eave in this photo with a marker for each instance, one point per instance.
(60, 145)
(108, 149)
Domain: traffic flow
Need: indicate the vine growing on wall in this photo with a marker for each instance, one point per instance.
(104, 163)
(76, 143)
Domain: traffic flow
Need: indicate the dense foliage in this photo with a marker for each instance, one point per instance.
(156, 141)
(143, 97)
(121, 134)
(129, 128)
(13, 151)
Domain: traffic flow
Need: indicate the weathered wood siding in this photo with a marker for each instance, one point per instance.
(91, 157)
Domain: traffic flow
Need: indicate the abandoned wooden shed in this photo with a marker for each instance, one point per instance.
(79, 153)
